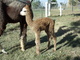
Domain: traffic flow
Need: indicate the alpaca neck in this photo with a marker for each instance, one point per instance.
(29, 18)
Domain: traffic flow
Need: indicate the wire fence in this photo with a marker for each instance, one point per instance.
(39, 13)
(66, 11)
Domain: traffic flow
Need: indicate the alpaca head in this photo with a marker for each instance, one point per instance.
(25, 10)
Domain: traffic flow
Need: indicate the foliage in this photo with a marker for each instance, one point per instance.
(53, 0)
(37, 4)
(63, 5)
(79, 0)
(54, 5)
(73, 2)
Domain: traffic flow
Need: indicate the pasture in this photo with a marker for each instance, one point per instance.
(67, 30)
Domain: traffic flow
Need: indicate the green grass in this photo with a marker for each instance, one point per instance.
(67, 29)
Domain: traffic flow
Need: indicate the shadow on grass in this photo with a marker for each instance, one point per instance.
(77, 14)
(71, 37)
(67, 58)
(14, 48)
(28, 45)
(32, 43)
(72, 58)
(77, 58)
(68, 38)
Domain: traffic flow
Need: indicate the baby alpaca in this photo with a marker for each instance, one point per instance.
(38, 25)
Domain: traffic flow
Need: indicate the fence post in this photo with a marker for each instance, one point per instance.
(60, 10)
(72, 5)
(46, 9)
(49, 9)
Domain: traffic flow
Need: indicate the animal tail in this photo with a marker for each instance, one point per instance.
(51, 27)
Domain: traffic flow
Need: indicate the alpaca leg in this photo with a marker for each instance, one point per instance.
(37, 42)
(23, 36)
(48, 37)
(2, 28)
(48, 41)
(2, 23)
(54, 39)
(22, 43)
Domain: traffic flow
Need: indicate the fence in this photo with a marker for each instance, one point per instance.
(39, 13)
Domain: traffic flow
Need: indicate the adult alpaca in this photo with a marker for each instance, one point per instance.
(9, 13)
(38, 25)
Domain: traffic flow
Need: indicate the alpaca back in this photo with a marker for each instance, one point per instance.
(44, 23)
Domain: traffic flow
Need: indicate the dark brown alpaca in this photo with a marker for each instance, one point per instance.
(38, 25)
(10, 13)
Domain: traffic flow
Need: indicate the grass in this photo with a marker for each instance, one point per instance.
(67, 29)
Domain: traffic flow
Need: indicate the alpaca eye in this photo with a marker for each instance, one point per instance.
(24, 11)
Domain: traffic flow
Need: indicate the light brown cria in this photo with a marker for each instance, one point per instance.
(38, 25)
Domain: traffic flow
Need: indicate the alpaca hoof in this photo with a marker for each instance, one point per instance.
(37, 52)
(3, 51)
(47, 48)
(54, 50)
(22, 49)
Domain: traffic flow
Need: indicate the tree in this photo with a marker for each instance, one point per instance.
(52, 1)
(79, 0)
(36, 4)
(73, 2)
(63, 5)
(54, 5)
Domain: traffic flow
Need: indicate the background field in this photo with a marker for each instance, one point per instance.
(67, 30)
